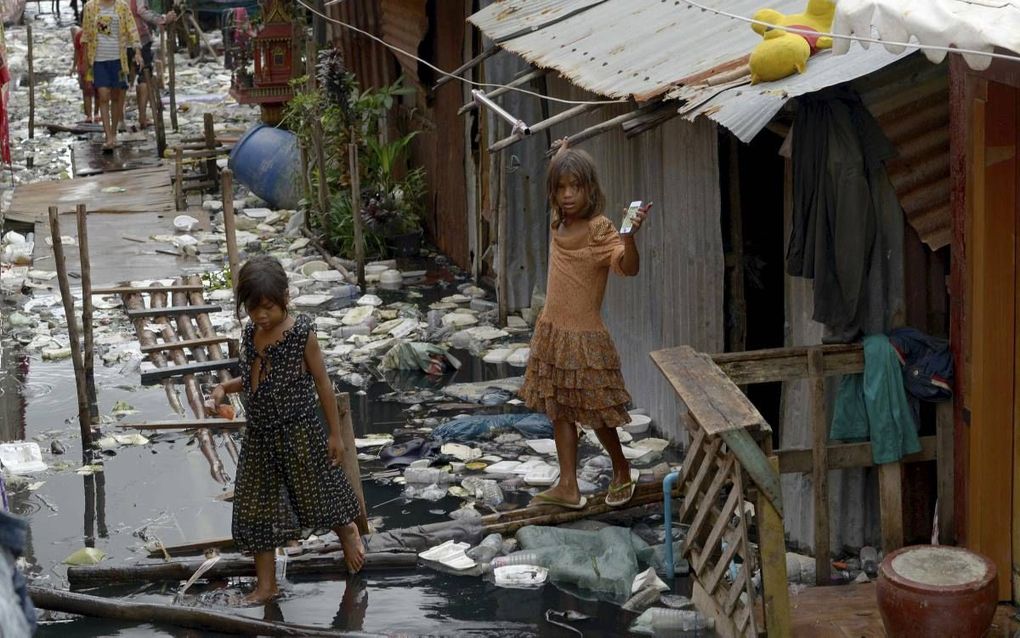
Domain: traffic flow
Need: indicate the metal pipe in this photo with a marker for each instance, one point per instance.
(667, 514)
(518, 125)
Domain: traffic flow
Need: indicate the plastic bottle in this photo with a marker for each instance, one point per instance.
(869, 561)
(517, 558)
(667, 622)
(428, 476)
(487, 549)
(344, 291)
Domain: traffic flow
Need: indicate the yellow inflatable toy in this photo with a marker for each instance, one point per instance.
(783, 53)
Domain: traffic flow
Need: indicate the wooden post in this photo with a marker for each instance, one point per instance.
(772, 545)
(162, 56)
(350, 461)
(210, 145)
(738, 302)
(230, 229)
(359, 235)
(31, 82)
(180, 198)
(890, 504)
(89, 354)
(320, 164)
(84, 421)
(157, 115)
(502, 244)
(944, 444)
(171, 58)
(310, 63)
(820, 464)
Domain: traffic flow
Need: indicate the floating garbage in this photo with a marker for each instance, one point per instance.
(185, 223)
(520, 576)
(451, 554)
(462, 452)
(85, 556)
(21, 458)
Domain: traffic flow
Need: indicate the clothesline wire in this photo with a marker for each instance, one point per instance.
(854, 38)
(412, 56)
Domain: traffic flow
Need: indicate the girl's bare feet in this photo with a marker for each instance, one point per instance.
(261, 596)
(354, 549)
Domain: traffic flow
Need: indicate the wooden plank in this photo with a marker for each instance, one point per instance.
(156, 375)
(945, 457)
(714, 401)
(173, 310)
(756, 464)
(747, 552)
(737, 587)
(692, 490)
(719, 569)
(772, 549)
(127, 290)
(890, 503)
(188, 343)
(718, 529)
(146, 190)
(351, 466)
(186, 424)
(820, 463)
(788, 364)
(710, 608)
(705, 506)
(846, 455)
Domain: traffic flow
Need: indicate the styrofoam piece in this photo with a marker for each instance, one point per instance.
(375, 269)
(542, 475)
(543, 446)
(185, 223)
(257, 213)
(503, 467)
(462, 452)
(459, 320)
(391, 277)
(653, 444)
(520, 576)
(639, 423)
(450, 554)
(633, 453)
(328, 276)
(625, 437)
(648, 578)
(311, 300)
(499, 355)
(22, 457)
(457, 299)
(357, 316)
(520, 357)
(526, 467)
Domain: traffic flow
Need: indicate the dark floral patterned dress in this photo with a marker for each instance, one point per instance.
(286, 487)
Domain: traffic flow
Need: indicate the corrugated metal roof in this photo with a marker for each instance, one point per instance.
(620, 48)
(745, 109)
(981, 25)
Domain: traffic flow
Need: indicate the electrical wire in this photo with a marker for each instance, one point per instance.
(855, 38)
(483, 85)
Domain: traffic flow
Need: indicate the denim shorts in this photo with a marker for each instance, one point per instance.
(106, 75)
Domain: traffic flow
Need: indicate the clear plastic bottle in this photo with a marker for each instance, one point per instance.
(667, 622)
(517, 558)
(487, 549)
(869, 560)
(428, 476)
(344, 291)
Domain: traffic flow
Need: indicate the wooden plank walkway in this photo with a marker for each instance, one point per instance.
(146, 190)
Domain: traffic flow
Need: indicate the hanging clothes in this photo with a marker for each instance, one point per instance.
(847, 230)
(927, 364)
(5, 78)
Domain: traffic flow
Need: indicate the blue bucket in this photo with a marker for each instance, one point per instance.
(266, 160)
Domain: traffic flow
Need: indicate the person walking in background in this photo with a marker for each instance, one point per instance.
(109, 30)
(145, 20)
(88, 91)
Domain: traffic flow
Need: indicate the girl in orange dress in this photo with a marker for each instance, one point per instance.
(574, 371)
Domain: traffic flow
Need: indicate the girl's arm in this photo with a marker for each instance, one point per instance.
(317, 368)
(630, 263)
(233, 386)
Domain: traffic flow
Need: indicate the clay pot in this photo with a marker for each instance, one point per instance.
(936, 590)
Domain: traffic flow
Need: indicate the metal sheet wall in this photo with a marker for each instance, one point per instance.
(370, 61)
(678, 296)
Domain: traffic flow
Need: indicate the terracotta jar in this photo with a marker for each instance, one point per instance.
(936, 590)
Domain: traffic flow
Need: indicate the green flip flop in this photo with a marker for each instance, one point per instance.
(544, 499)
(620, 495)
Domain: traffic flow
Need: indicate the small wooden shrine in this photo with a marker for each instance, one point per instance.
(264, 69)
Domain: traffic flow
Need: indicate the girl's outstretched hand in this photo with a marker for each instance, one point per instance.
(336, 449)
(639, 219)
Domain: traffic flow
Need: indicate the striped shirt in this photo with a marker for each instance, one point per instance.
(107, 34)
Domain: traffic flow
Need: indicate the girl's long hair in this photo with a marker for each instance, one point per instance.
(261, 278)
(579, 165)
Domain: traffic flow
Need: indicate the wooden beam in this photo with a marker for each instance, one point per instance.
(351, 466)
(772, 546)
(788, 364)
(890, 503)
(842, 456)
(172, 310)
(756, 464)
(470, 64)
(820, 464)
(186, 424)
(127, 290)
(543, 125)
(189, 343)
(506, 88)
(945, 475)
(158, 374)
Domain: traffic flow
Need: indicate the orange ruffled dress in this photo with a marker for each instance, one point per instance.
(574, 371)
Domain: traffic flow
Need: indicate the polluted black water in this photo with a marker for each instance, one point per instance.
(163, 490)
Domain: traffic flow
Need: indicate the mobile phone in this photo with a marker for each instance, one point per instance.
(627, 226)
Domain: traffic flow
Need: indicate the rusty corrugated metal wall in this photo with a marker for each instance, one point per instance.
(404, 25)
(371, 62)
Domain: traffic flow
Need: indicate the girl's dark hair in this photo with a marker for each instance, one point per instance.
(261, 278)
(579, 165)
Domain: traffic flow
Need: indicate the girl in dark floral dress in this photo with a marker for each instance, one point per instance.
(289, 480)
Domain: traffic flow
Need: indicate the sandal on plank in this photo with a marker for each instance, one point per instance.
(620, 495)
(544, 499)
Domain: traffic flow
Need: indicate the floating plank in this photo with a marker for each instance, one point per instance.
(186, 424)
(187, 343)
(846, 455)
(130, 290)
(146, 190)
(173, 310)
(788, 364)
(713, 400)
(156, 375)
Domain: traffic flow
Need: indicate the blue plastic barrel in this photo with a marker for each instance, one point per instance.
(266, 160)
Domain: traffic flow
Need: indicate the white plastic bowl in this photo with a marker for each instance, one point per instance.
(314, 266)
(391, 277)
(184, 223)
(639, 424)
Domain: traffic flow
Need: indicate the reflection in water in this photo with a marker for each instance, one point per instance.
(13, 376)
(353, 606)
(95, 508)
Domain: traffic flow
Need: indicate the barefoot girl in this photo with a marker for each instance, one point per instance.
(289, 481)
(574, 371)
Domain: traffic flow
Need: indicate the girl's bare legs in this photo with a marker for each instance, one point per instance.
(86, 96)
(104, 110)
(142, 95)
(354, 549)
(610, 440)
(118, 110)
(265, 572)
(565, 435)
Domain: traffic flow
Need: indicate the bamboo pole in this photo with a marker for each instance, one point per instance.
(502, 245)
(133, 299)
(31, 82)
(98, 575)
(171, 58)
(320, 165)
(359, 234)
(84, 420)
(189, 617)
(180, 198)
(230, 225)
(209, 129)
(89, 354)
(350, 460)
(201, 35)
(157, 114)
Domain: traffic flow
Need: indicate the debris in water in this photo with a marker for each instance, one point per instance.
(85, 556)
